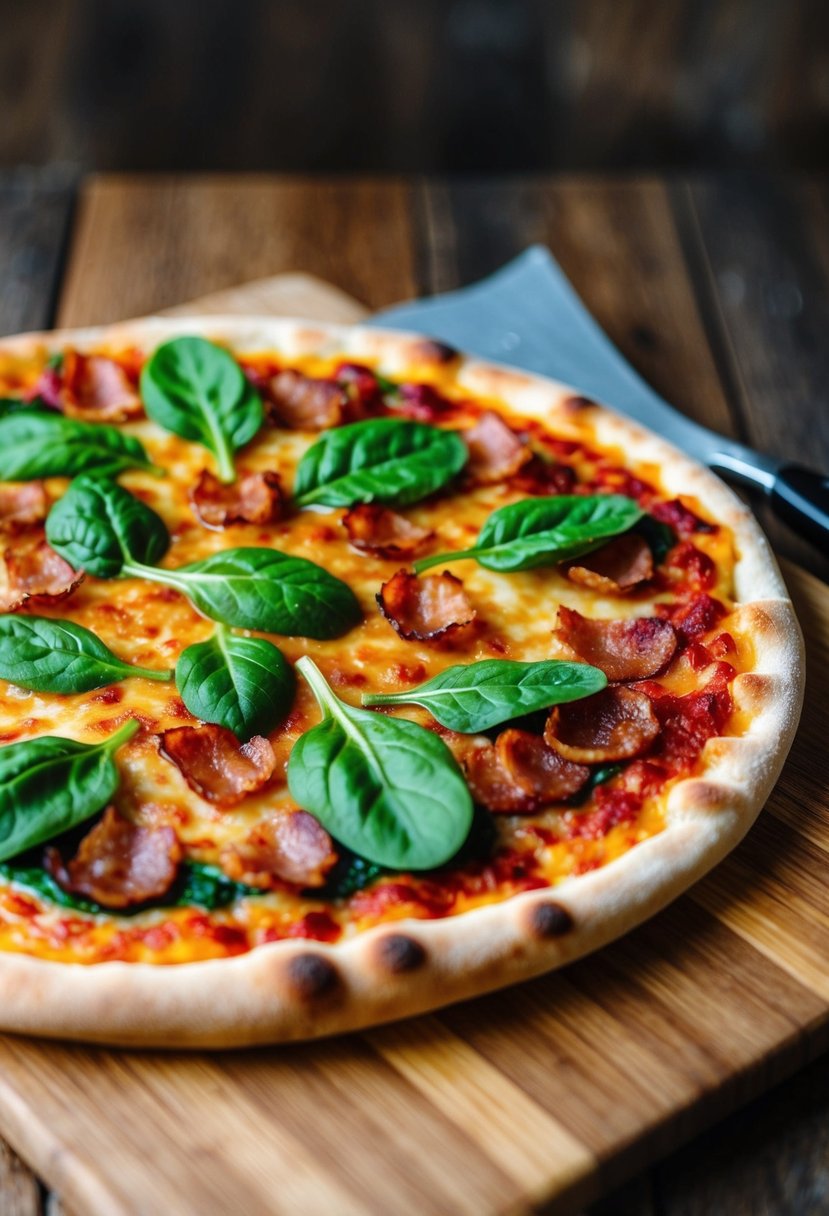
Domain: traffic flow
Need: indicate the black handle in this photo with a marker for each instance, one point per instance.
(801, 498)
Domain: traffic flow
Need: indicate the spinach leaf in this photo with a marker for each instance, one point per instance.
(349, 875)
(381, 460)
(200, 885)
(659, 537)
(197, 390)
(98, 526)
(14, 405)
(48, 785)
(263, 589)
(59, 656)
(473, 697)
(538, 531)
(36, 443)
(386, 788)
(245, 684)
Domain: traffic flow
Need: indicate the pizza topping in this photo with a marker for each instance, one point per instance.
(304, 404)
(373, 528)
(423, 609)
(615, 724)
(363, 388)
(492, 786)
(90, 387)
(22, 506)
(680, 518)
(694, 617)
(625, 649)
(539, 477)
(687, 721)
(536, 768)
(540, 531)
(618, 566)
(422, 402)
(384, 787)
(255, 499)
(119, 864)
(216, 765)
(495, 451)
(378, 460)
(196, 389)
(290, 846)
(36, 574)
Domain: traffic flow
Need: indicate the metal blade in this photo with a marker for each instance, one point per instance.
(528, 315)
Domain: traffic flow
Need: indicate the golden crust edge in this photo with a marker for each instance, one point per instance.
(292, 990)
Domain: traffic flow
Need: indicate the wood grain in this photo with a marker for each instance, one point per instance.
(575, 1080)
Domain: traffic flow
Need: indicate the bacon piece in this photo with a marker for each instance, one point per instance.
(373, 528)
(425, 608)
(215, 764)
(90, 387)
(623, 563)
(36, 574)
(304, 404)
(492, 786)
(22, 505)
(536, 768)
(677, 516)
(519, 773)
(255, 499)
(422, 402)
(118, 863)
(694, 617)
(495, 451)
(291, 846)
(365, 400)
(614, 724)
(624, 650)
(539, 477)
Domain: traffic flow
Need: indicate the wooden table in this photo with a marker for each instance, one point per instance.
(717, 290)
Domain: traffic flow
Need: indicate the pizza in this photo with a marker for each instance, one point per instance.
(343, 677)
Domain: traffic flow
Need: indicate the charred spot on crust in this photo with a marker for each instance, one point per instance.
(575, 403)
(432, 351)
(312, 977)
(398, 953)
(550, 920)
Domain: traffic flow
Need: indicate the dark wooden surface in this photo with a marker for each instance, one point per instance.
(717, 290)
(414, 85)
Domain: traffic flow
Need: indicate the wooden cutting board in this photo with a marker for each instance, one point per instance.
(548, 1093)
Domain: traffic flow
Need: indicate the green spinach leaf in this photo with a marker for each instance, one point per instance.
(382, 460)
(388, 789)
(244, 684)
(49, 655)
(197, 390)
(538, 531)
(37, 443)
(476, 696)
(49, 784)
(98, 526)
(264, 589)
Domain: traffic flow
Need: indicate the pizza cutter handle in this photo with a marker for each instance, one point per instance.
(801, 498)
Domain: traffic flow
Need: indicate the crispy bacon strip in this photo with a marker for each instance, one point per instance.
(304, 404)
(22, 505)
(373, 528)
(92, 388)
(118, 863)
(621, 564)
(536, 768)
(495, 451)
(615, 724)
(35, 574)
(254, 499)
(291, 846)
(624, 650)
(492, 786)
(519, 773)
(425, 608)
(215, 764)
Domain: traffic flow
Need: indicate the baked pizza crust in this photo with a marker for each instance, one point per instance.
(291, 990)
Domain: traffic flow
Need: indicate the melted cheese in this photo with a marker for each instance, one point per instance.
(150, 625)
